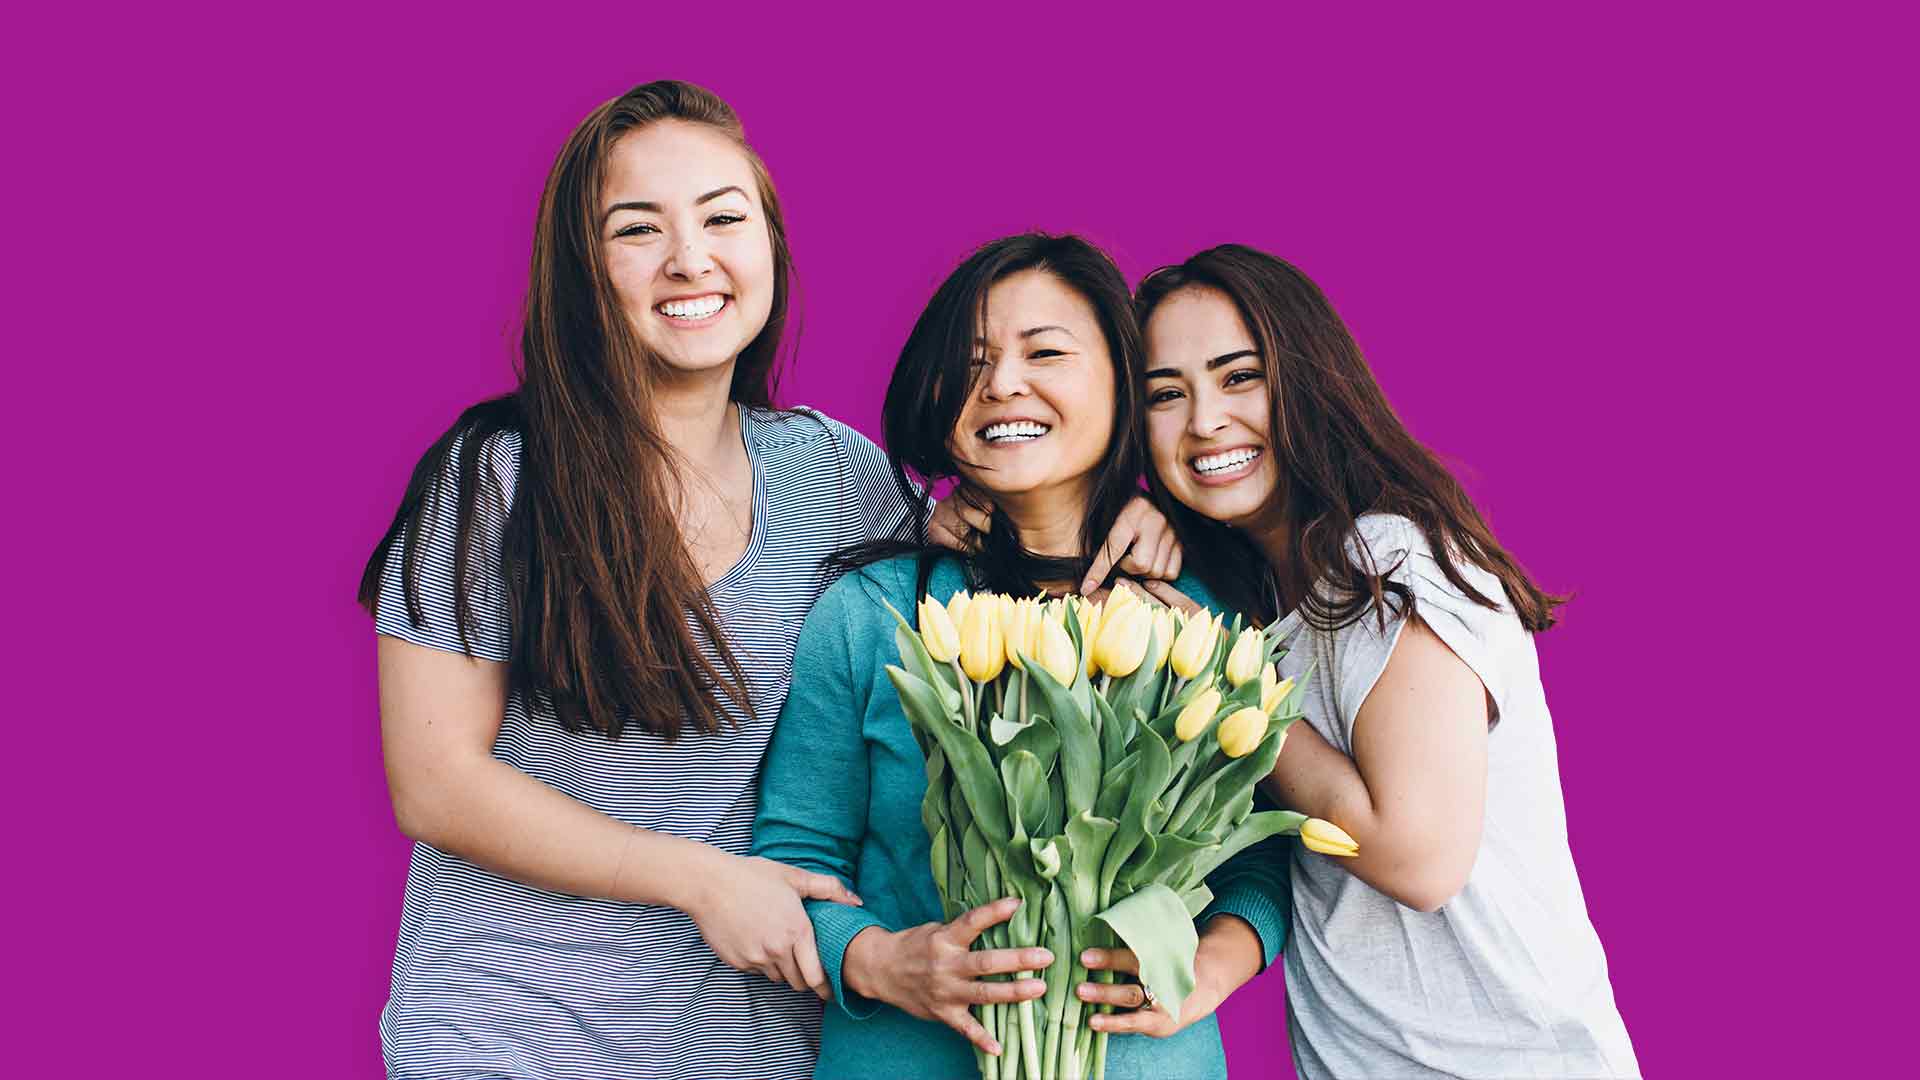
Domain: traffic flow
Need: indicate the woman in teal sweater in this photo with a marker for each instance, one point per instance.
(1020, 377)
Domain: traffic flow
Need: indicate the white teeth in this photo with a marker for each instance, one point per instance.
(1014, 431)
(698, 308)
(1213, 463)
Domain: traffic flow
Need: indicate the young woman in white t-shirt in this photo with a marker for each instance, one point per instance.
(1457, 942)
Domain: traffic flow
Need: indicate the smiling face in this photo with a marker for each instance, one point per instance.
(686, 243)
(1207, 407)
(1039, 417)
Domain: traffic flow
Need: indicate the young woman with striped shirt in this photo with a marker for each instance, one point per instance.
(588, 605)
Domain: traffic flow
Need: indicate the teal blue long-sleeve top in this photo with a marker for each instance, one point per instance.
(841, 795)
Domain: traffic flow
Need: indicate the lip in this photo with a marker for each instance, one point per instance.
(1229, 476)
(726, 304)
(979, 433)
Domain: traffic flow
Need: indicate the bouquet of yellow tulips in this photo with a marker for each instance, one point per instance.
(1097, 760)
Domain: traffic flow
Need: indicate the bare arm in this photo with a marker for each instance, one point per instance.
(439, 715)
(1414, 793)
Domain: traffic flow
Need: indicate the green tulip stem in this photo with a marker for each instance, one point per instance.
(1029, 1034)
(966, 692)
(1100, 1055)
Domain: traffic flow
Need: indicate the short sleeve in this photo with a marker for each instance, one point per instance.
(885, 511)
(491, 633)
(1358, 653)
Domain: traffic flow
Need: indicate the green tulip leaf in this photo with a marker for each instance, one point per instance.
(1149, 780)
(1155, 924)
(1197, 899)
(1026, 788)
(1171, 862)
(972, 768)
(914, 652)
(1255, 828)
(1079, 753)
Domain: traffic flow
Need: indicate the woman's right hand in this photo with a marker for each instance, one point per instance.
(932, 972)
(749, 912)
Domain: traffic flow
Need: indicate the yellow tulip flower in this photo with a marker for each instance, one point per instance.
(983, 648)
(1327, 838)
(1249, 651)
(1193, 647)
(1197, 715)
(1020, 626)
(937, 631)
(1162, 638)
(957, 607)
(1242, 731)
(1124, 637)
(1055, 652)
(1273, 689)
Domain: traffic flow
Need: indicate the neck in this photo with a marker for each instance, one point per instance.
(695, 415)
(1271, 538)
(1050, 521)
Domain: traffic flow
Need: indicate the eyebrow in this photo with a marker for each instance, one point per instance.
(654, 207)
(1223, 358)
(1028, 333)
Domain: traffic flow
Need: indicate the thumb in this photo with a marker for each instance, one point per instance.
(824, 887)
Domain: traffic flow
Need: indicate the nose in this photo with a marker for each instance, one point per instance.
(691, 259)
(1004, 378)
(1209, 415)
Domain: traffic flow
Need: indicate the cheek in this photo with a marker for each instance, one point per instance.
(631, 274)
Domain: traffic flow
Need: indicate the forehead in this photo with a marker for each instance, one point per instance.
(672, 162)
(1195, 324)
(1037, 298)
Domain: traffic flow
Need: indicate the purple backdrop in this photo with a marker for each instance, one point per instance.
(1630, 271)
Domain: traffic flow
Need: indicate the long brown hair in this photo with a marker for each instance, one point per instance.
(599, 580)
(1341, 452)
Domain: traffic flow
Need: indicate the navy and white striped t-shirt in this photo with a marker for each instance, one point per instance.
(493, 978)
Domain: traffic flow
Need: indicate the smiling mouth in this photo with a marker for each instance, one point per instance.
(694, 309)
(1226, 463)
(1013, 432)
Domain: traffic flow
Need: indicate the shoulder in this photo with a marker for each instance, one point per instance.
(894, 580)
(803, 427)
(1384, 539)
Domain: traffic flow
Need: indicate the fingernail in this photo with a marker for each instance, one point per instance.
(993, 1048)
(1085, 992)
(1092, 956)
(1039, 958)
(1036, 987)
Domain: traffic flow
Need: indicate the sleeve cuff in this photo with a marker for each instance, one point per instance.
(834, 927)
(1267, 914)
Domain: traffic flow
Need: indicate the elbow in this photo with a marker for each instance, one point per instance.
(416, 814)
(1430, 888)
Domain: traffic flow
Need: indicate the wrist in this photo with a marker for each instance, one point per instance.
(1229, 956)
(862, 963)
(702, 868)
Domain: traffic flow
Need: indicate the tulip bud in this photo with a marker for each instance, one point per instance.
(1019, 626)
(1123, 640)
(1162, 638)
(1249, 651)
(937, 631)
(1194, 646)
(1242, 731)
(957, 607)
(1327, 838)
(983, 648)
(1193, 719)
(1055, 652)
(1273, 689)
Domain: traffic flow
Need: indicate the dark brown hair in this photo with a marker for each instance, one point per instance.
(1340, 451)
(599, 580)
(935, 376)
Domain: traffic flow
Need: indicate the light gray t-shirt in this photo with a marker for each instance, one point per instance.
(1508, 978)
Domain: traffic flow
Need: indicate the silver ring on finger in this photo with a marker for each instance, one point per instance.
(1147, 998)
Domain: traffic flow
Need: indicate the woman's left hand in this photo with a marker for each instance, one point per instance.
(1141, 543)
(1229, 955)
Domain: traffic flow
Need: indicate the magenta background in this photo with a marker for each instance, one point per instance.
(1643, 273)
